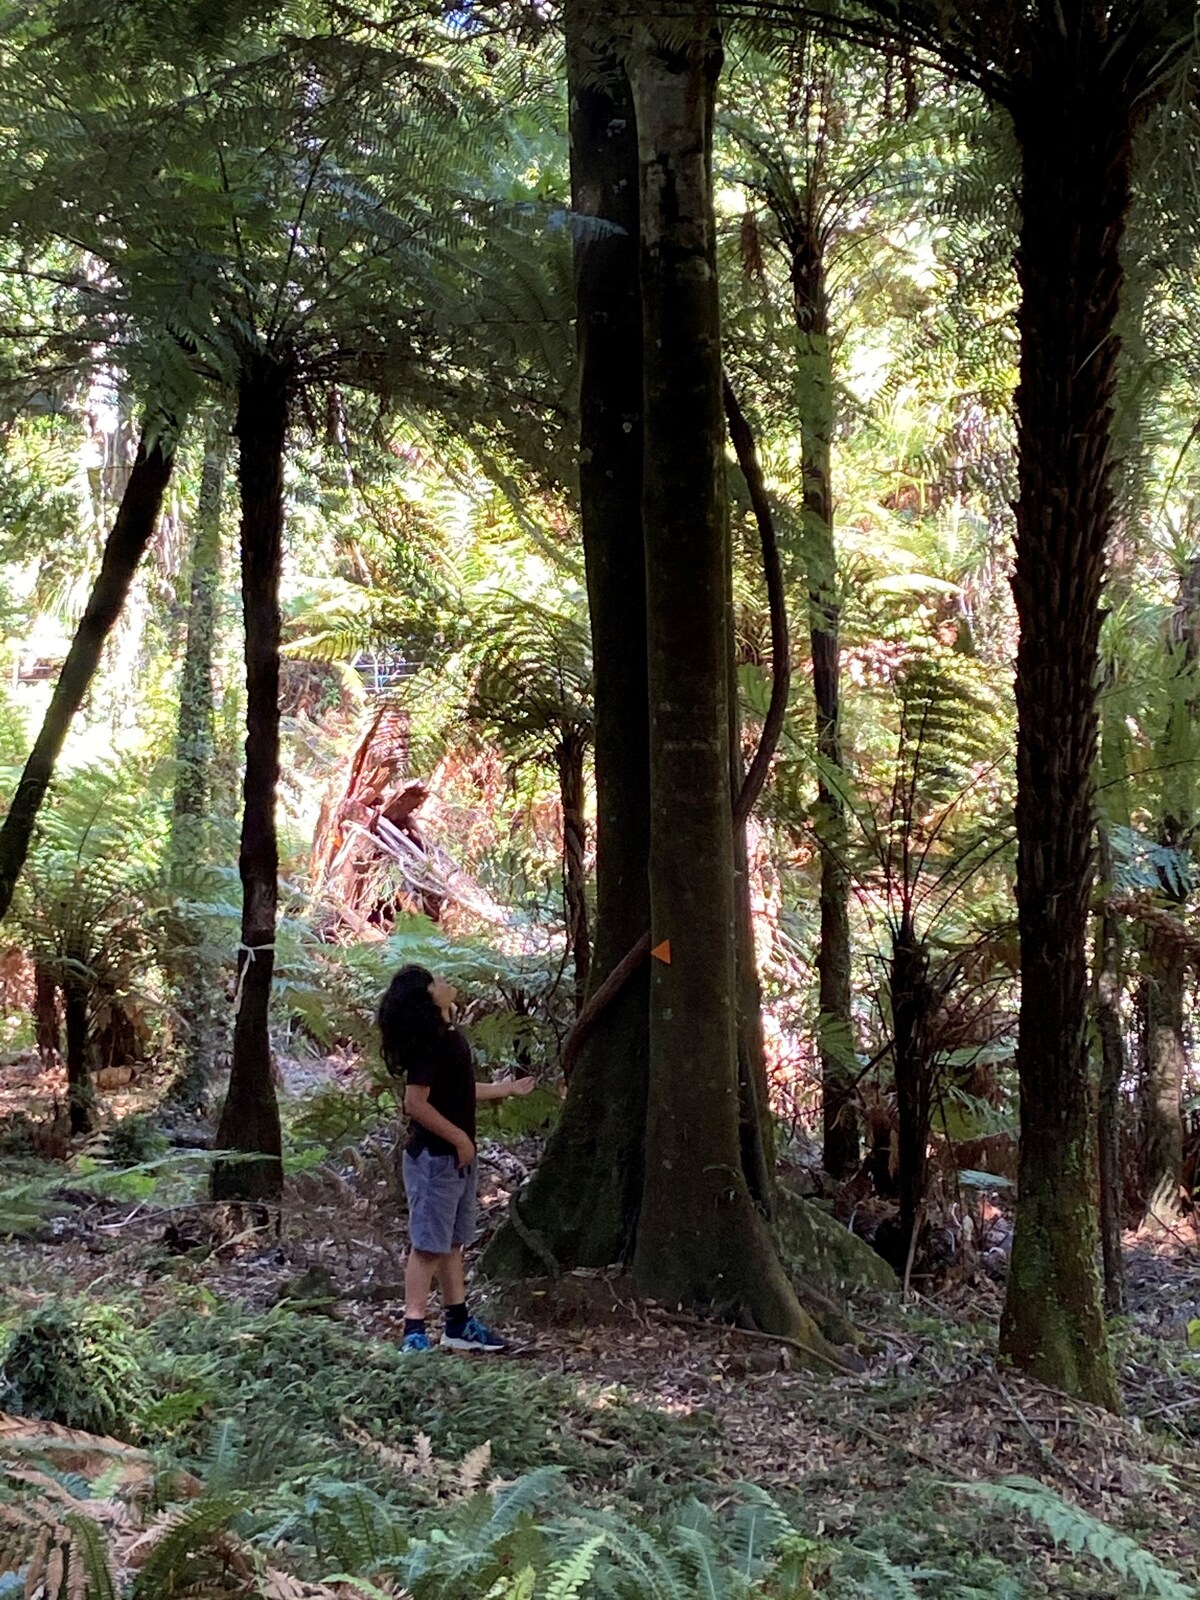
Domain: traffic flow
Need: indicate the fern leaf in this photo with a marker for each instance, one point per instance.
(1068, 1525)
(566, 1578)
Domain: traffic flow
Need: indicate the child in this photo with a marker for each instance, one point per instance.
(421, 1043)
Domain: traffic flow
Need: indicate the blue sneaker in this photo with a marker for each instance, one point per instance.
(414, 1343)
(473, 1337)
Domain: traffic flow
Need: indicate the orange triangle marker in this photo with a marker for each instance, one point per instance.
(662, 952)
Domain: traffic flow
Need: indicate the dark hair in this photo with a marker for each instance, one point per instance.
(409, 1022)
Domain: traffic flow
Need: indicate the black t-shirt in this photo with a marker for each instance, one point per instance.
(447, 1070)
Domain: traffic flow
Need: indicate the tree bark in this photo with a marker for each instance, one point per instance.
(814, 394)
(81, 1099)
(911, 1006)
(194, 978)
(1166, 970)
(1074, 119)
(1108, 963)
(700, 1240)
(132, 530)
(582, 1203)
(1164, 964)
(250, 1118)
(570, 756)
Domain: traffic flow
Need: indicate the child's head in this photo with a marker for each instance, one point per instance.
(412, 1014)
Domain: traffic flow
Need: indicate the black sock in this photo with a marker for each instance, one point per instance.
(456, 1320)
(413, 1325)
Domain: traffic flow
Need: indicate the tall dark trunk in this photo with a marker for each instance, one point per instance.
(1108, 962)
(1074, 119)
(911, 1008)
(132, 530)
(250, 1118)
(581, 1205)
(194, 978)
(700, 1240)
(571, 751)
(81, 1099)
(815, 394)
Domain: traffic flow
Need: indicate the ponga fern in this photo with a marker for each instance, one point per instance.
(1080, 1532)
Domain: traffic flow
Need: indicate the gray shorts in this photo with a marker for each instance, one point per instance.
(441, 1202)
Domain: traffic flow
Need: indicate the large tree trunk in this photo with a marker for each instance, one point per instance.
(571, 751)
(700, 1240)
(132, 529)
(814, 395)
(581, 1205)
(194, 978)
(250, 1118)
(1074, 122)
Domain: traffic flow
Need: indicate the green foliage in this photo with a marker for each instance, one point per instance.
(1078, 1531)
(133, 1141)
(75, 1364)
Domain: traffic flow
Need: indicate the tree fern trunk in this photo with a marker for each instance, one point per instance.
(195, 979)
(1165, 972)
(1108, 962)
(1074, 123)
(131, 533)
(81, 1098)
(582, 1201)
(814, 394)
(250, 1118)
(1164, 963)
(700, 1240)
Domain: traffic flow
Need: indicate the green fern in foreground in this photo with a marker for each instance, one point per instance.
(1079, 1532)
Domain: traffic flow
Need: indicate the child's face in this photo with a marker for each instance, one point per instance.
(443, 995)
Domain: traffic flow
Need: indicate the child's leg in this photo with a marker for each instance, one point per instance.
(452, 1278)
(418, 1280)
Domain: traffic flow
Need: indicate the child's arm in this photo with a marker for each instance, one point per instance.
(501, 1091)
(416, 1104)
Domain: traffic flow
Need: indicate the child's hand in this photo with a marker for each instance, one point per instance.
(520, 1085)
(464, 1151)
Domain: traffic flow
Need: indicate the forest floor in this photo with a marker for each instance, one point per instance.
(891, 1457)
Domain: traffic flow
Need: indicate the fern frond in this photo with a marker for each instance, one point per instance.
(1079, 1531)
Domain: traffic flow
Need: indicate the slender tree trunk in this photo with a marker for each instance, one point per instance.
(195, 979)
(1074, 122)
(1164, 963)
(756, 1131)
(571, 753)
(130, 535)
(911, 1004)
(250, 1119)
(1108, 966)
(581, 1206)
(1162, 1086)
(700, 1240)
(814, 392)
(81, 1099)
